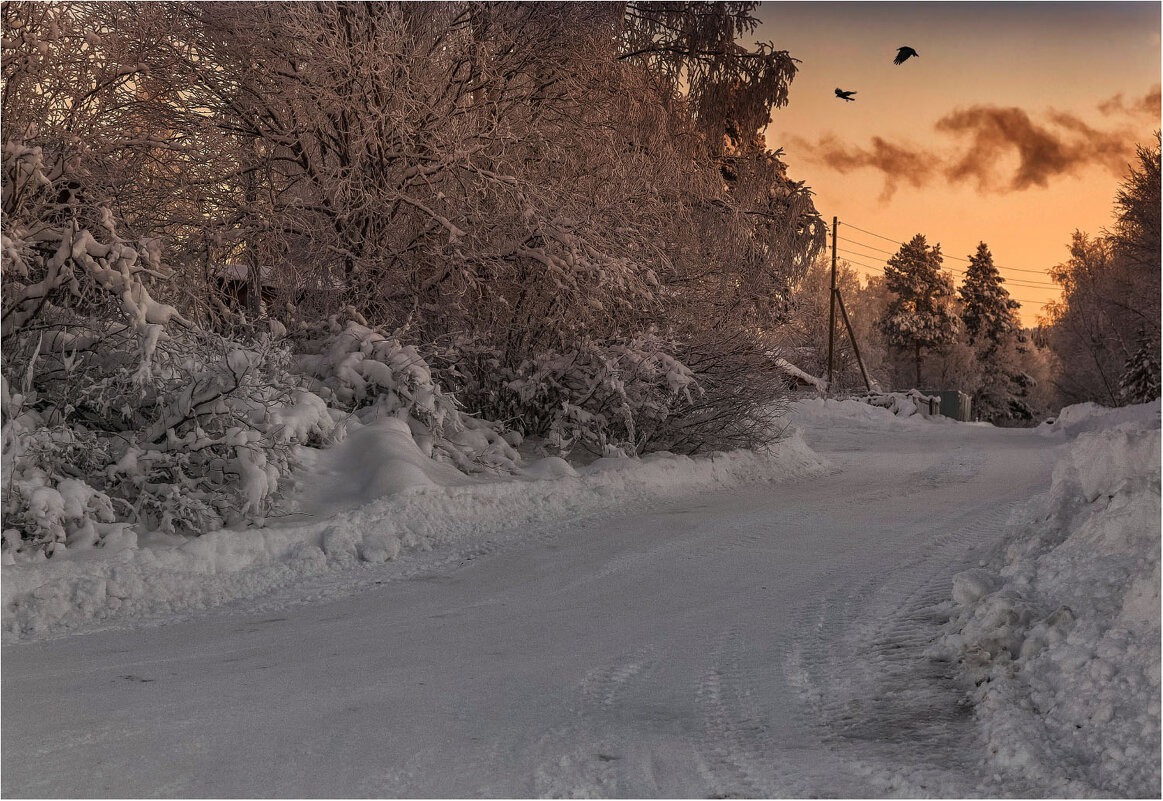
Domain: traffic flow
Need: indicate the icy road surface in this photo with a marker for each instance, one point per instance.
(761, 642)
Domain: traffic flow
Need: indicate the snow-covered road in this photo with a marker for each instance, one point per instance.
(765, 641)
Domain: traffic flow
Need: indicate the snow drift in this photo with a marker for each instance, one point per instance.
(374, 498)
(1063, 641)
(886, 410)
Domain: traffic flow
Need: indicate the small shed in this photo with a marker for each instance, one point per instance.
(954, 404)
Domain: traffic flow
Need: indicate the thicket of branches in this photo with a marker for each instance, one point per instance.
(564, 213)
(1105, 330)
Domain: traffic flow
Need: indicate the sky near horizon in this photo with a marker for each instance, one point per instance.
(1013, 126)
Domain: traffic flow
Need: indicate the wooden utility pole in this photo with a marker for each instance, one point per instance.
(832, 306)
(852, 336)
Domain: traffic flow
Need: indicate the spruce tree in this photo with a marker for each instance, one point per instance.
(995, 335)
(1140, 381)
(987, 310)
(920, 314)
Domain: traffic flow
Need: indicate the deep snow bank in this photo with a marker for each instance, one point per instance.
(891, 410)
(367, 500)
(1063, 641)
(1083, 417)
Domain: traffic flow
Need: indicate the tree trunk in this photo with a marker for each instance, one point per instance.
(251, 255)
(918, 346)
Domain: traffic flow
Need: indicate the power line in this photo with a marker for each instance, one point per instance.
(870, 247)
(1019, 300)
(957, 273)
(1032, 284)
(858, 253)
(870, 233)
(945, 255)
(860, 263)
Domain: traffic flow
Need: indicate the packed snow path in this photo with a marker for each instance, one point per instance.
(767, 641)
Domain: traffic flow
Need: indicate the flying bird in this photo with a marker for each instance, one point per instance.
(903, 54)
(843, 95)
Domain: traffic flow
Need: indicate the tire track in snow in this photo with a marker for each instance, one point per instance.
(887, 709)
(589, 758)
(963, 464)
(736, 730)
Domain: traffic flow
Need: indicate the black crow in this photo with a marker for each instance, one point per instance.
(843, 95)
(903, 54)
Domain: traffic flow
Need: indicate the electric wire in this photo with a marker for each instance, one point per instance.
(1016, 281)
(956, 258)
(850, 260)
(956, 273)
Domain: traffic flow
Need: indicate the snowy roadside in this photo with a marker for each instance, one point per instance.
(368, 500)
(1062, 641)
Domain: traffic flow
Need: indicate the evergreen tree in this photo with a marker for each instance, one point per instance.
(987, 310)
(1140, 381)
(920, 315)
(994, 333)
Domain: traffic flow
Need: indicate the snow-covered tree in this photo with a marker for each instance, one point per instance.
(1000, 386)
(560, 214)
(803, 340)
(920, 314)
(1089, 345)
(1111, 290)
(986, 307)
(694, 50)
(1136, 233)
(1140, 381)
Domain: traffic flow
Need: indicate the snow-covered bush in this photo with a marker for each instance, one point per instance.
(1062, 643)
(627, 397)
(117, 411)
(368, 372)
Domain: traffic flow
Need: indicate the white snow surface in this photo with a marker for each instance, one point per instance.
(364, 501)
(894, 409)
(1083, 417)
(1063, 641)
(664, 627)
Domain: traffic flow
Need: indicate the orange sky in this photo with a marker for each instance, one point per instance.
(1073, 85)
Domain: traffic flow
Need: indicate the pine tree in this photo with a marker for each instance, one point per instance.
(920, 315)
(993, 331)
(987, 310)
(1140, 381)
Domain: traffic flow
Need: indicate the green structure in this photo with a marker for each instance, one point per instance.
(954, 404)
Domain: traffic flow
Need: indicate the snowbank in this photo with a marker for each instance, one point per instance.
(369, 500)
(1083, 417)
(898, 409)
(1063, 642)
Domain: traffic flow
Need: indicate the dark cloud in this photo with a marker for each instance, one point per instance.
(1146, 106)
(899, 163)
(998, 148)
(1065, 145)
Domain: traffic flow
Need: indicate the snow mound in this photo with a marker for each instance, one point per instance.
(1063, 642)
(1083, 417)
(375, 460)
(893, 409)
(373, 498)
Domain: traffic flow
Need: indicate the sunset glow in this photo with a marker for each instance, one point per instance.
(932, 146)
